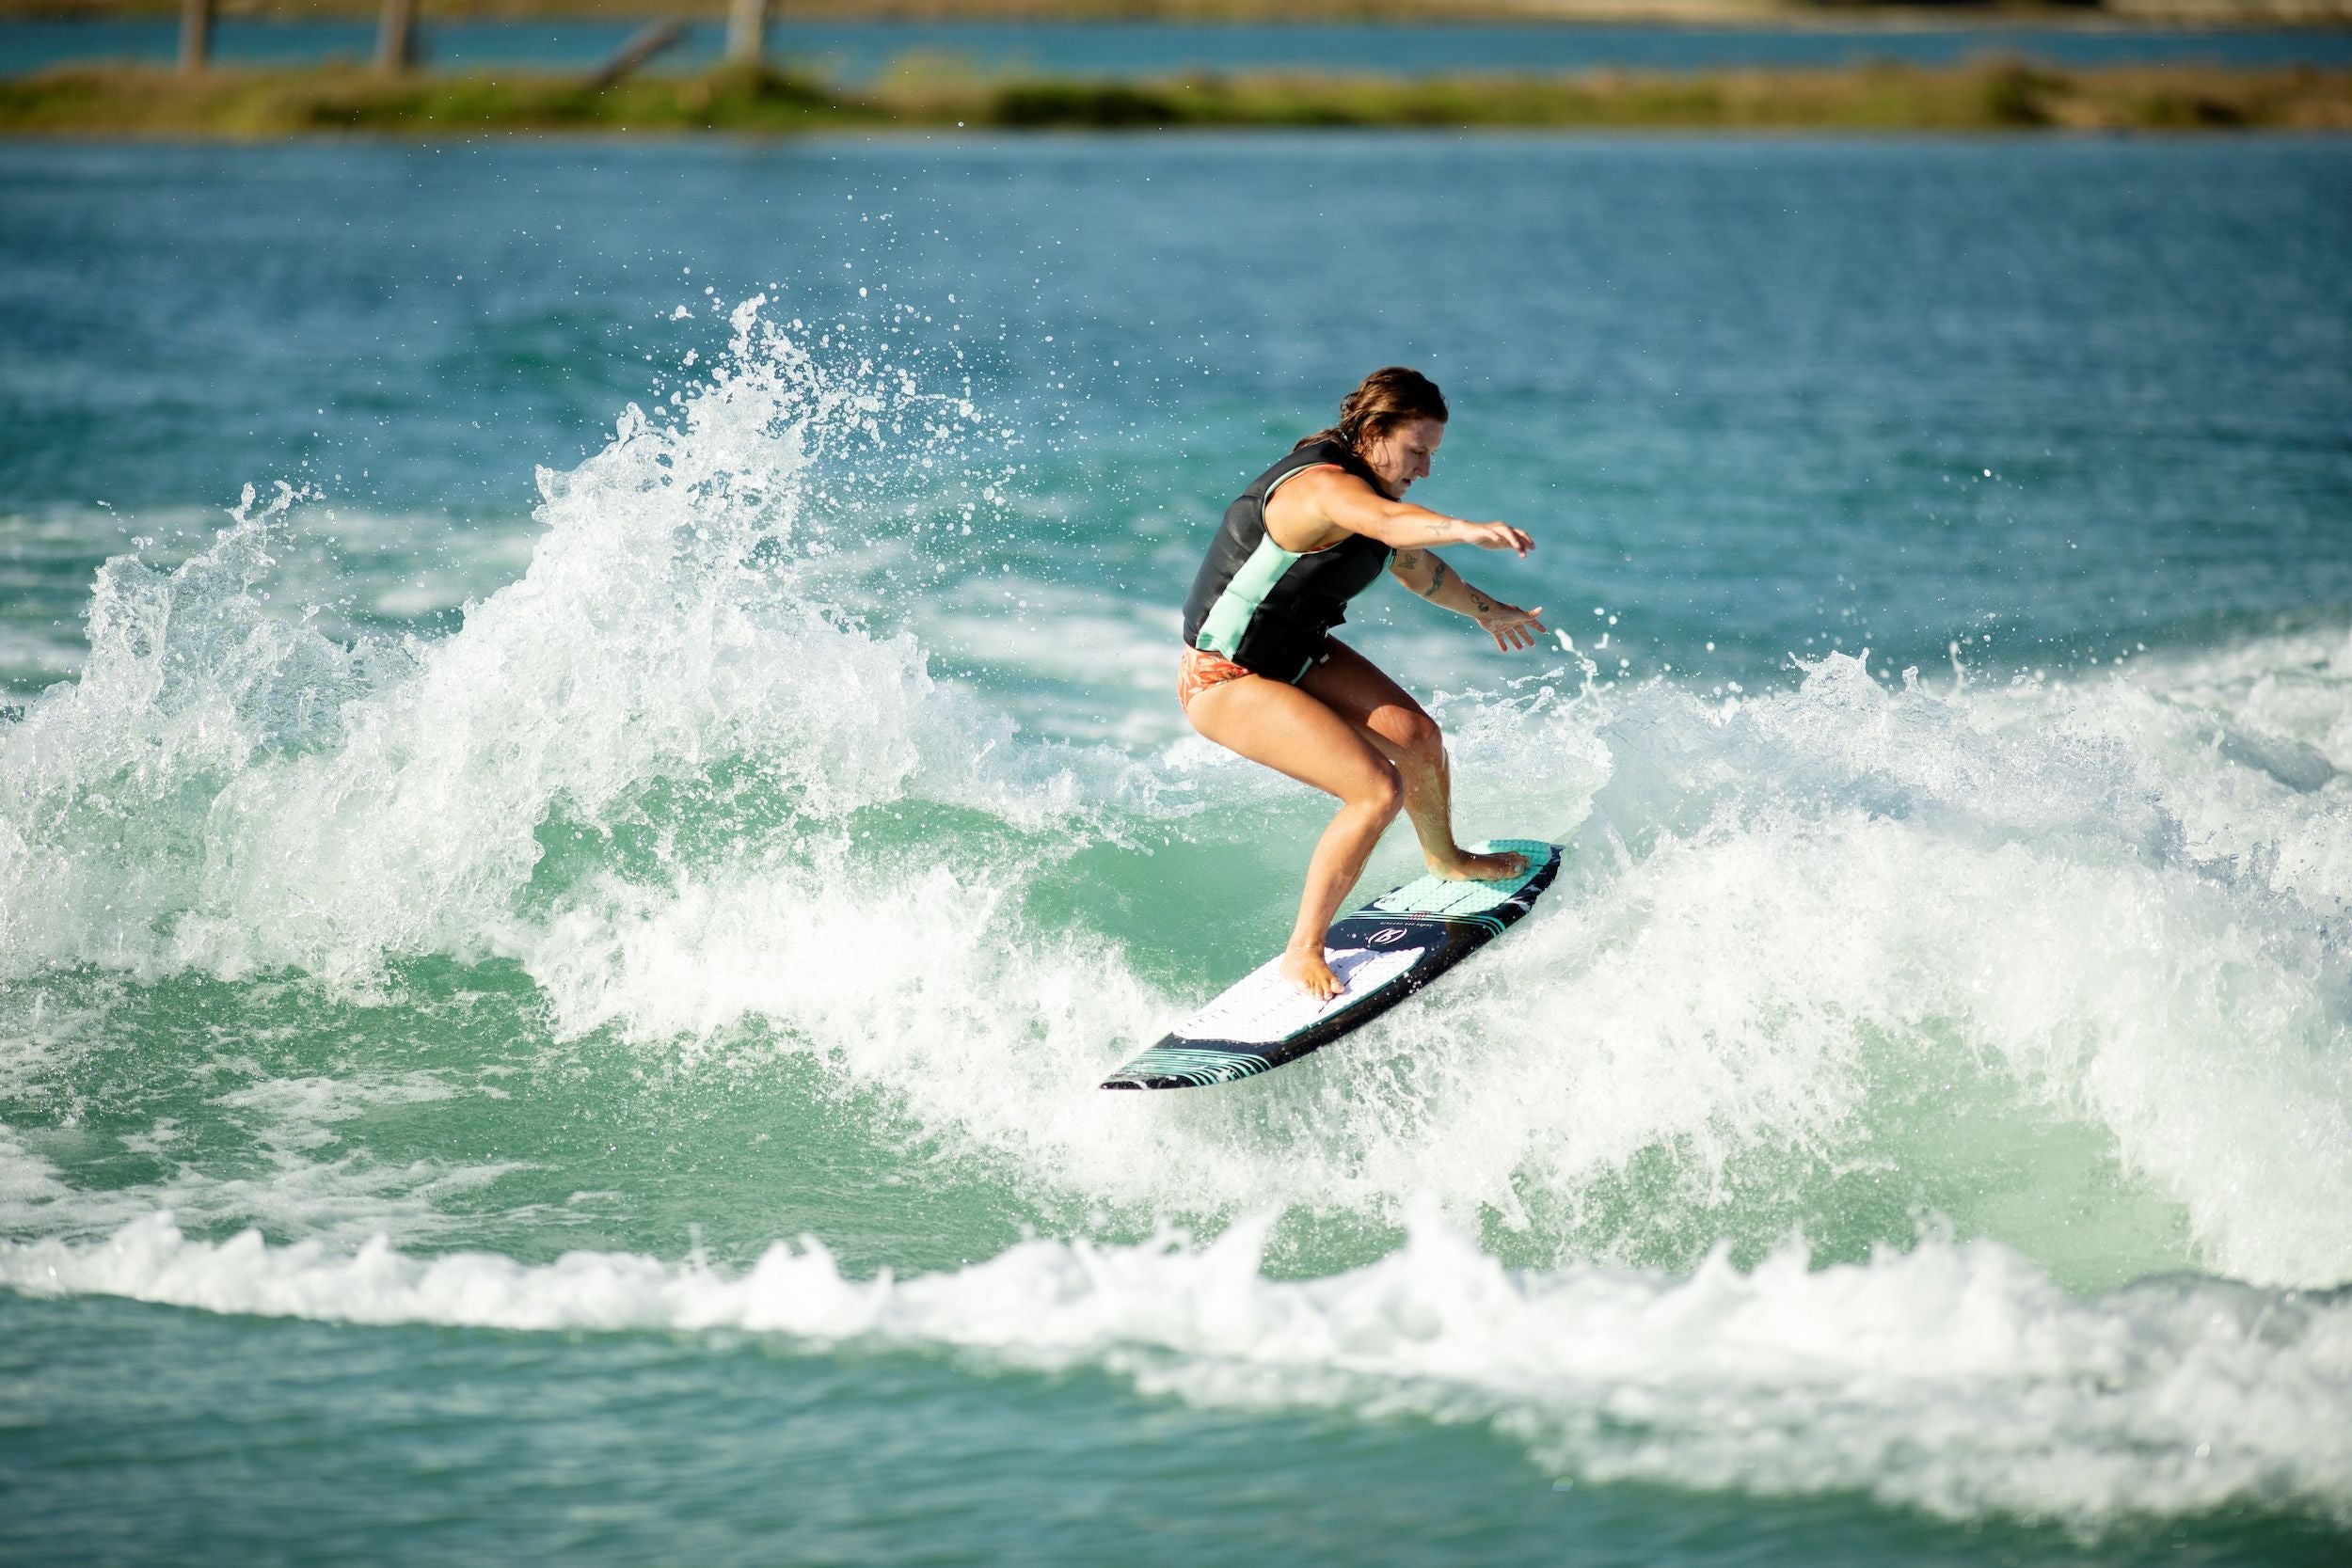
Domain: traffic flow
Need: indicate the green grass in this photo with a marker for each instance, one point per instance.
(1986, 95)
(1746, 12)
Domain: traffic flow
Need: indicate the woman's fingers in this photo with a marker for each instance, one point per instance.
(1502, 536)
(1512, 635)
(1515, 628)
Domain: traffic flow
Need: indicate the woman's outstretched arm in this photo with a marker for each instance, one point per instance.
(1433, 579)
(1346, 503)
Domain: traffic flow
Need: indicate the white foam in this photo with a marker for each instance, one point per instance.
(1801, 938)
(1957, 1379)
(226, 789)
(1809, 935)
(28, 1187)
(296, 1174)
(1789, 911)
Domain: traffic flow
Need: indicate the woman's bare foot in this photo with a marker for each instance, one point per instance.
(1501, 866)
(1304, 967)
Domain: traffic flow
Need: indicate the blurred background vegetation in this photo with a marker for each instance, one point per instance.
(1695, 12)
(748, 88)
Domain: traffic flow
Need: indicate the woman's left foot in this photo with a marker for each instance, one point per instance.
(1501, 866)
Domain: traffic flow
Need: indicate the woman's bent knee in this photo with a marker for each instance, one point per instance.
(1382, 791)
(1420, 739)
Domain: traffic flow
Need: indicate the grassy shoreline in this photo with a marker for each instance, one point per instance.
(1992, 94)
(1843, 15)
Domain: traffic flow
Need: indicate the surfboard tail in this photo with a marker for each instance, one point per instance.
(1183, 1064)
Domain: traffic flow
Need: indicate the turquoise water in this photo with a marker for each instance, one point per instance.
(554, 953)
(861, 51)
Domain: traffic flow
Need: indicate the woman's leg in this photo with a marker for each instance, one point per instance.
(1292, 733)
(1386, 715)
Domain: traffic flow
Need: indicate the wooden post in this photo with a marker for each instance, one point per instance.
(642, 45)
(196, 35)
(396, 36)
(747, 31)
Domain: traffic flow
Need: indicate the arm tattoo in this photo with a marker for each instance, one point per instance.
(1409, 561)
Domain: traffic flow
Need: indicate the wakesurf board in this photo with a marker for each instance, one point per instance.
(1383, 953)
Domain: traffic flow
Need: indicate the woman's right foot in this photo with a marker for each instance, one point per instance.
(1305, 968)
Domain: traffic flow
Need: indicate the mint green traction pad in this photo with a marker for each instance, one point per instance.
(1382, 952)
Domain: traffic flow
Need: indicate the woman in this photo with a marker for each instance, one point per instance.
(1262, 674)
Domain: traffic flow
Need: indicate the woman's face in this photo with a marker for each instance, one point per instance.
(1400, 453)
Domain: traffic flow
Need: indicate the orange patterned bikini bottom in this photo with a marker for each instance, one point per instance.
(1199, 669)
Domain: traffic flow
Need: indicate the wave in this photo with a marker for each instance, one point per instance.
(228, 790)
(2065, 963)
(1957, 1379)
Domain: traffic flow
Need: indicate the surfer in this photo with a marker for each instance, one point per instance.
(1262, 675)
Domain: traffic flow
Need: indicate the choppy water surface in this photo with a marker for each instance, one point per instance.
(553, 955)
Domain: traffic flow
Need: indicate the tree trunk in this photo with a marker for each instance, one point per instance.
(396, 36)
(747, 31)
(196, 35)
(642, 45)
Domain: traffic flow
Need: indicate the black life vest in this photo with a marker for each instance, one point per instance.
(1267, 609)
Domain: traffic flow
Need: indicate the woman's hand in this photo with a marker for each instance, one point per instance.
(1493, 536)
(1509, 626)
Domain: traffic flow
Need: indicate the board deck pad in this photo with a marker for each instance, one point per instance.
(1383, 953)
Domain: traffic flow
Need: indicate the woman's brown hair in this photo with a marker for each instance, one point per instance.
(1389, 397)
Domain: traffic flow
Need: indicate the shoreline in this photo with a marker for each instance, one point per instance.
(1837, 16)
(1992, 94)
